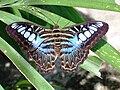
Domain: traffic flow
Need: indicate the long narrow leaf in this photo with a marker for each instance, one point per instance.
(97, 4)
(9, 18)
(107, 53)
(47, 16)
(1, 88)
(92, 64)
(24, 67)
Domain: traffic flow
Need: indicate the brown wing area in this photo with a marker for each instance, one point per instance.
(44, 61)
(21, 33)
(71, 61)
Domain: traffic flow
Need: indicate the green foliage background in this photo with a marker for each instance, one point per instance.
(40, 12)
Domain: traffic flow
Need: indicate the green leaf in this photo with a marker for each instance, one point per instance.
(1, 88)
(67, 14)
(92, 64)
(107, 53)
(10, 18)
(24, 67)
(23, 83)
(47, 16)
(6, 2)
(96, 4)
(42, 14)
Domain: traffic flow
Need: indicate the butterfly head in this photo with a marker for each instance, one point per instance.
(56, 27)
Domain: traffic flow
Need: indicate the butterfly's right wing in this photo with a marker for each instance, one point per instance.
(32, 37)
(85, 36)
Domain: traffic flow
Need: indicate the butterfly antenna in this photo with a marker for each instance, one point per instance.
(66, 24)
(58, 20)
(56, 25)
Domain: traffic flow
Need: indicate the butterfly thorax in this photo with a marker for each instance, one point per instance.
(59, 40)
(56, 35)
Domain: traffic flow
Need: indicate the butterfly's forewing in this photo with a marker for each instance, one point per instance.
(85, 37)
(32, 37)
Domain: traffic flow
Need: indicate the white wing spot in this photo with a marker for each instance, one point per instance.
(76, 28)
(99, 24)
(82, 37)
(84, 29)
(72, 30)
(19, 26)
(40, 30)
(27, 34)
(81, 26)
(22, 32)
(87, 34)
(29, 29)
(32, 36)
(21, 29)
(91, 31)
(14, 25)
(95, 26)
(32, 26)
(92, 28)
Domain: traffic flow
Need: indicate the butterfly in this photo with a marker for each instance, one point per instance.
(70, 45)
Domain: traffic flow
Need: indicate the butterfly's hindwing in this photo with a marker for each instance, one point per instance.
(70, 45)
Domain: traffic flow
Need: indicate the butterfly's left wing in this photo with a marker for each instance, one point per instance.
(32, 39)
(76, 49)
